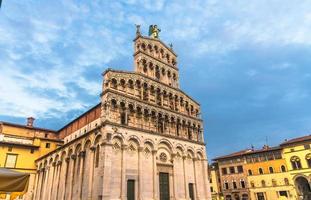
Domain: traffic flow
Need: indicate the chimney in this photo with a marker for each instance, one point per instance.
(30, 121)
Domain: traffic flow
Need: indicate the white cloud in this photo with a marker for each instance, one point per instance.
(50, 46)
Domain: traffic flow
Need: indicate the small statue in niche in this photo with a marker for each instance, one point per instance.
(154, 31)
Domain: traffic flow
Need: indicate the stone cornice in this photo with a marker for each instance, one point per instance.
(151, 79)
(106, 122)
(156, 40)
(164, 63)
(150, 104)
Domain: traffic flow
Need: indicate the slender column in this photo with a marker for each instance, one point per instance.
(185, 177)
(195, 178)
(107, 151)
(123, 173)
(206, 182)
(91, 176)
(140, 174)
(40, 190)
(45, 184)
(63, 197)
(59, 170)
(81, 175)
(36, 185)
(155, 180)
(174, 176)
(72, 173)
(51, 181)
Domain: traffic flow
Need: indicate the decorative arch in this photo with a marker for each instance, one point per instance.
(200, 155)
(87, 144)
(190, 153)
(167, 143)
(135, 139)
(150, 142)
(78, 148)
(97, 139)
(118, 136)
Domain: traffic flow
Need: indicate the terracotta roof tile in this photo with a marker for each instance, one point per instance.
(296, 140)
(247, 152)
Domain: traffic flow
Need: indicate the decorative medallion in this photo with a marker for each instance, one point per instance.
(163, 157)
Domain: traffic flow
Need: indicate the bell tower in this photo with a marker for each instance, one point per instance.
(155, 59)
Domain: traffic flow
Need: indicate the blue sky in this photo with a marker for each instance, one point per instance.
(246, 62)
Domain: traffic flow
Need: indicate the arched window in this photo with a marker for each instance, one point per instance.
(271, 170)
(250, 172)
(234, 185)
(226, 185)
(263, 183)
(114, 83)
(123, 118)
(242, 183)
(252, 184)
(283, 169)
(308, 159)
(296, 164)
(274, 183)
(244, 197)
(260, 171)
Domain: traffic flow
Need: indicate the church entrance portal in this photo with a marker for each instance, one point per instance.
(164, 186)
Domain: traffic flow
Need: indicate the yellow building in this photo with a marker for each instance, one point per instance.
(297, 154)
(215, 183)
(267, 175)
(21, 145)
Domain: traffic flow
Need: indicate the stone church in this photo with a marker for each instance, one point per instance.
(144, 140)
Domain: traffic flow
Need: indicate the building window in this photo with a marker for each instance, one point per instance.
(260, 171)
(250, 172)
(271, 170)
(47, 145)
(45, 135)
(307, 146)
(274, 183)
(263, 183)
(245, 197)
(10, 161)
(283, 169)
(231, 169)
(32, 151)
(252, 184)
(308, 159)
(260, 196)
(296, 164)
(234, 185)
(212, 189)
(277, 155)
(224, 171)
(228, 197)
(226, 185)
(10, 149)
(283, 194)
(123, 118)
(240, 169)
(242, 184)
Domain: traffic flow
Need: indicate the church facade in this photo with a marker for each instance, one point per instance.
(144, 140)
